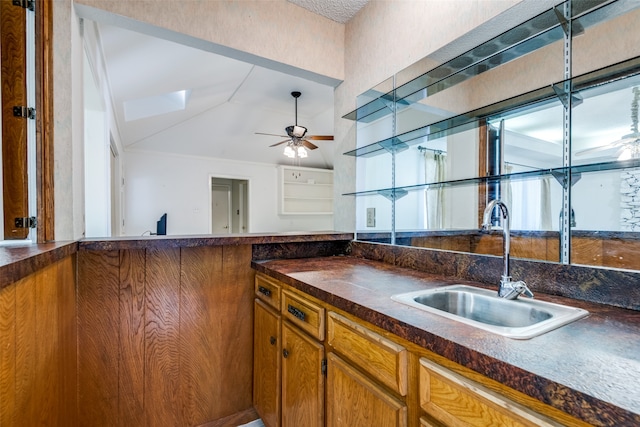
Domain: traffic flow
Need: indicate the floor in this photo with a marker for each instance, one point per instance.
(256, 423)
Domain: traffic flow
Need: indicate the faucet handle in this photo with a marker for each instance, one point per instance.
(522, 289)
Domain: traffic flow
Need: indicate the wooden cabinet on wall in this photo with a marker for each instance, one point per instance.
(372, 376)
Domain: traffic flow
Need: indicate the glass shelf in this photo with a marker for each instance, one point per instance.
(509, 106)
(558, 173)
(536, 33)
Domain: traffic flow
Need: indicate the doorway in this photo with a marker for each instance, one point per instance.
(229, 205)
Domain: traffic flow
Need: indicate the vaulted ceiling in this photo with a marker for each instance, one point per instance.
(172, 98)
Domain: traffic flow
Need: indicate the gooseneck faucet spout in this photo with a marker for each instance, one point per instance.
(507, 289)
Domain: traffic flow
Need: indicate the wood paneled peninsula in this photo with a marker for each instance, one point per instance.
(145, 331)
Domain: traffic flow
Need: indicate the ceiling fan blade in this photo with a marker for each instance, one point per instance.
(278, 143)
(271, 134)
(321, 137)
(309, 145)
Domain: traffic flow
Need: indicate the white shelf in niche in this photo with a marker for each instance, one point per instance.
(305, 191)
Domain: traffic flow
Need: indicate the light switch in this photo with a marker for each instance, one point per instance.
(371, 217)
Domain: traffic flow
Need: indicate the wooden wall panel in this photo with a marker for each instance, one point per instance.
(586, 250)
(47, 357)
(26, 375)
(200, 324)
(98, 337)
(620, 253)
(173, 331)
(162, 353)
(8, 355)
(236, 360)
(38, 348)
(68, 349)
(132, 336)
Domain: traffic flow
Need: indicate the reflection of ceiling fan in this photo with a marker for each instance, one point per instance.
(628, 147)
(297, 141)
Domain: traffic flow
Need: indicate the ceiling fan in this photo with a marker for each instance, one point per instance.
(627, 147)
(297, 138)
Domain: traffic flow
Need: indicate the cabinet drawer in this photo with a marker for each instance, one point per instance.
(455, 400)
(268, 290)
(381, 358)
(303, 313)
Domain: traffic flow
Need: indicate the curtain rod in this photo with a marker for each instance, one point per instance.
(421, 149)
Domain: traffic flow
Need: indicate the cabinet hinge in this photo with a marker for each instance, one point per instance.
(26, 112)
(26, 4)
(28, 222)
(323, 367)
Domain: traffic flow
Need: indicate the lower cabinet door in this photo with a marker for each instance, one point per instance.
(354, 400)
(266, 364)
(302, 379)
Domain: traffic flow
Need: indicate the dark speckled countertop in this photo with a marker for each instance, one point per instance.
(589, 368)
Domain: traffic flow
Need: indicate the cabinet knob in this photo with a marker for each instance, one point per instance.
(285, 353)
(272, 340)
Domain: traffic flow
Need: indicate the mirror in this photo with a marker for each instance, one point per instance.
(490, 123)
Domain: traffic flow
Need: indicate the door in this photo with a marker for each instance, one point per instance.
(13, 61)
(220, 209)
(357, 401)
(266, 364)
(302, 379)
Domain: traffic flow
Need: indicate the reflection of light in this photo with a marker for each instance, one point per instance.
(625, 155)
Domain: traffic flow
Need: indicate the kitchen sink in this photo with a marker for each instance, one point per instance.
(520, 318)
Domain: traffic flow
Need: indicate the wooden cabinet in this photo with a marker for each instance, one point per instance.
(367, 382)
(266, 366)
(381, 358)
(305, 191)
(457, 401)
(354, 400)
(268, 290)
(304, 314)
(302, 379)
(289, 382)
(370, 377)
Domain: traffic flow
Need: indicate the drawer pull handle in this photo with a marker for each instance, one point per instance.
(264, 291)
(285, 353)
(272, 340)
(296, 312)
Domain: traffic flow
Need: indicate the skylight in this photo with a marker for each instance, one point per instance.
(135, 109)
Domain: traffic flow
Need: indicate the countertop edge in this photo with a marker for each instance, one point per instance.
(17, 262)
(155, 242)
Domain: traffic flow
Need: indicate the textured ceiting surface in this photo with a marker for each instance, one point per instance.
(337, 10)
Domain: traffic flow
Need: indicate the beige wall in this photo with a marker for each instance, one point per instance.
(275, 31)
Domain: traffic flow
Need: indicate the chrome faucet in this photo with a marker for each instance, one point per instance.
(507, 288)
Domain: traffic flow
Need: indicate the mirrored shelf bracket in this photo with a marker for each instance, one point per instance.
(563, 177)
(393, 194)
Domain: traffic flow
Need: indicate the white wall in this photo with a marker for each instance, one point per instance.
(68, 123)
(179, 185)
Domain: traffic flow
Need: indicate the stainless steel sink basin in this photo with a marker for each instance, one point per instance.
(482, 308)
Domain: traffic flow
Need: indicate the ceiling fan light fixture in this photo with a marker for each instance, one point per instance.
(296, 131)
(302, 152)
(289, 152)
